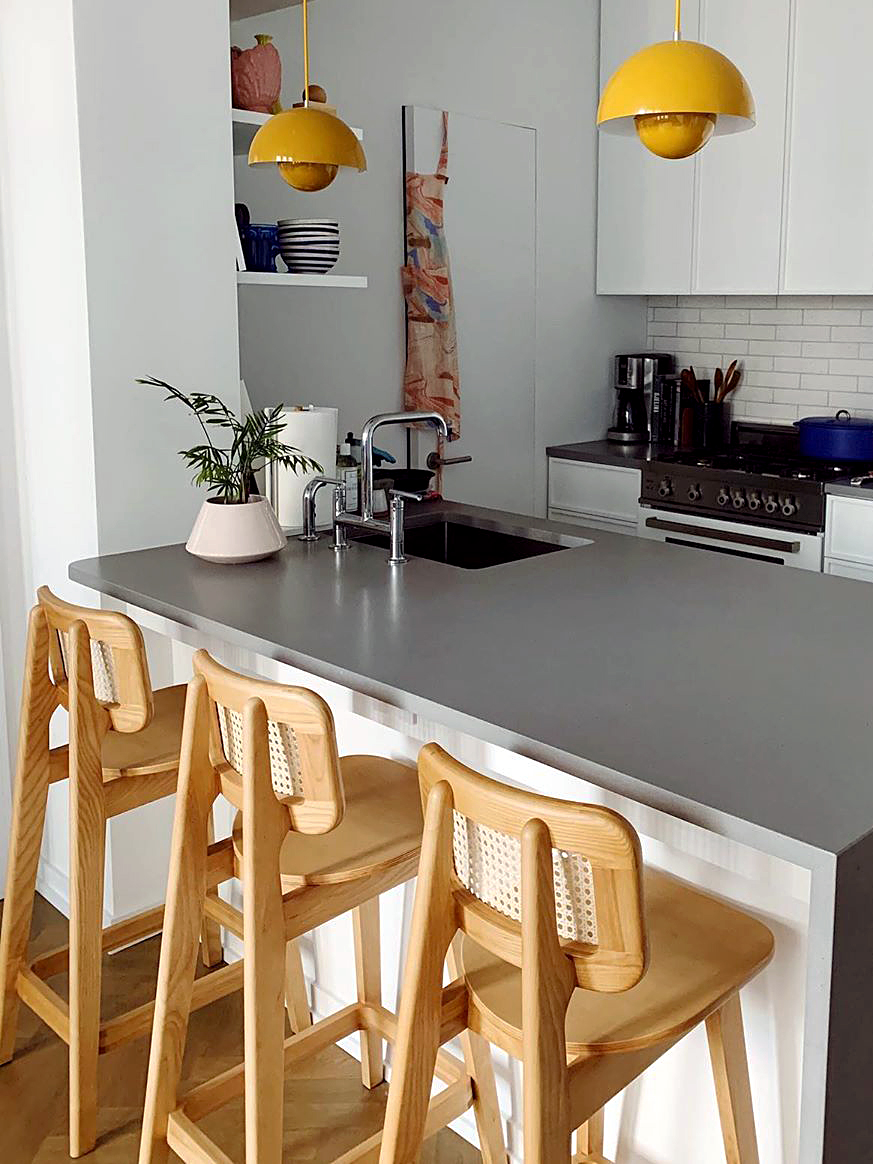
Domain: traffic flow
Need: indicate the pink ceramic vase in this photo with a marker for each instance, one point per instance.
(235, 533)
(256, 76)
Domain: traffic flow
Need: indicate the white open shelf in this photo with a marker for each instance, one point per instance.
(246, 124)
(283, 279)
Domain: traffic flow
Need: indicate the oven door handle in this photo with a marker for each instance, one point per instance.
(722, 535)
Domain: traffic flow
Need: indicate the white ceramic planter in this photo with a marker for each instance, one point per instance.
(235, 533)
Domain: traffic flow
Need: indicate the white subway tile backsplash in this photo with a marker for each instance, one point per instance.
(830, 349)
(834, 383)
(702, 330)
(806, 331)
(801, 354)
(724, 315)
(679, 314)
(852, 367)
(773, 379)
(775, 347)
(749, 331)
(852, 333)
(776, 315)
(803, 301)
(832, 316)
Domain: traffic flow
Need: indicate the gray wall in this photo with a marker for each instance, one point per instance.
(530, 64)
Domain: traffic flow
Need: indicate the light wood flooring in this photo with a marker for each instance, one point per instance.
(327, 1110)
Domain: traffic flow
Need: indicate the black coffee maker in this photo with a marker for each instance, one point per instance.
(634, 380)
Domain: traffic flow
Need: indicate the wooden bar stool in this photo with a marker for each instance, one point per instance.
(315, 836)
(575, 959)
(123, 752)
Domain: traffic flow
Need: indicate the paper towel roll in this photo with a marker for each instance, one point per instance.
(312, 430)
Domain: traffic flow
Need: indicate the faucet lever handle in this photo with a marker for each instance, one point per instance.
(408, 495)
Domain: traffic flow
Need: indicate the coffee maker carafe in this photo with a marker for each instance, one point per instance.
(634, 380)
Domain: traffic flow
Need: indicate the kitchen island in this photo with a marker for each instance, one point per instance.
(724, 706)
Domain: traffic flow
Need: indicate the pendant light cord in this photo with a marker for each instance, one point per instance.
(677, 28)
(306, 54)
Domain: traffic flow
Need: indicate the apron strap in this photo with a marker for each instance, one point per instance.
(443, 167)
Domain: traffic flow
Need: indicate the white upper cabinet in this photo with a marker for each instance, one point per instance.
(645, 204)
(786, 206)
(737, 227)
(829, 230)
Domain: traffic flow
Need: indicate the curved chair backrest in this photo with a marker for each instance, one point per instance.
(119, 665)
(596, 868)
(301, 744)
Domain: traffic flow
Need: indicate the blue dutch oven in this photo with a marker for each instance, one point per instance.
(836, 438)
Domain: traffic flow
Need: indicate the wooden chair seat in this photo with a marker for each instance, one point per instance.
(701, 951)
(156, 747)
(380, 828)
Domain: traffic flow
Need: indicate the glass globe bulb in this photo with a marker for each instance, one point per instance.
(674, 135)
(308, 176)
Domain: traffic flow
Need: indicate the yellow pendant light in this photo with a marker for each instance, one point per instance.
(309, 145)
(675, 95)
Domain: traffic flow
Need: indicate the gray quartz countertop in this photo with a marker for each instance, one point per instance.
(740, 687)
(607, 453)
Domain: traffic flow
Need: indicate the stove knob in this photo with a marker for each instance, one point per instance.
(739, 498)
(770, 503)
(695, 493)
(724, 498)
(754, 501)
(665, 489)
(789, 506)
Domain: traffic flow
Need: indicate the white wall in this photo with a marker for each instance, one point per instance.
(153, 99)
(115, 148)
(48, 510)
(529, 64)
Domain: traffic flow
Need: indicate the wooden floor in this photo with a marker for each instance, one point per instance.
(326, 1109)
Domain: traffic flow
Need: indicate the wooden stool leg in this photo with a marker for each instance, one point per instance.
(186, 892)
(368, 969)
(420, 1017)
(730, 1068)
(589, 1140)
(486, 1108)
(87, 847)
(211, 952)
(296, 996)
(28, 818)
(266, 826)
(546, 985)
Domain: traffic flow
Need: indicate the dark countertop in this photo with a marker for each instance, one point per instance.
(607, 453)
(694, 679)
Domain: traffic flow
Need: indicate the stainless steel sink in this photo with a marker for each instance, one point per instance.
(472, 543)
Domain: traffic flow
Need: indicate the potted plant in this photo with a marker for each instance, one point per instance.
(235, 524)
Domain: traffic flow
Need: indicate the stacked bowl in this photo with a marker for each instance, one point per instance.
(309, 246)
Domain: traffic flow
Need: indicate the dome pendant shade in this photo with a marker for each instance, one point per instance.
(704, 92)
(308, 145)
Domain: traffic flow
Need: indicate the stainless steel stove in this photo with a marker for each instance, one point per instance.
(758, 483)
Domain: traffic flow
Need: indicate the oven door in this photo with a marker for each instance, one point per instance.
(756, 542)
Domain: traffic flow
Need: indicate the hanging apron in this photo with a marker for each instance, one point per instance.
(431, 381)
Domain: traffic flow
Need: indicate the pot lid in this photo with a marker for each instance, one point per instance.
(842, 420)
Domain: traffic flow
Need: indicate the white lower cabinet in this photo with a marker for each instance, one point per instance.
(849, 538)
(602, 496)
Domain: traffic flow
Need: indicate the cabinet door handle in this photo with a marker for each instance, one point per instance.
(722, 535)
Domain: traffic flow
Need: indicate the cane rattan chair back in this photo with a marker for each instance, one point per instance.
(119, 665)
(596, 865)
(301, 744)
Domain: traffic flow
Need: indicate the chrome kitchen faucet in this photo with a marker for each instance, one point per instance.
(343, 520)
